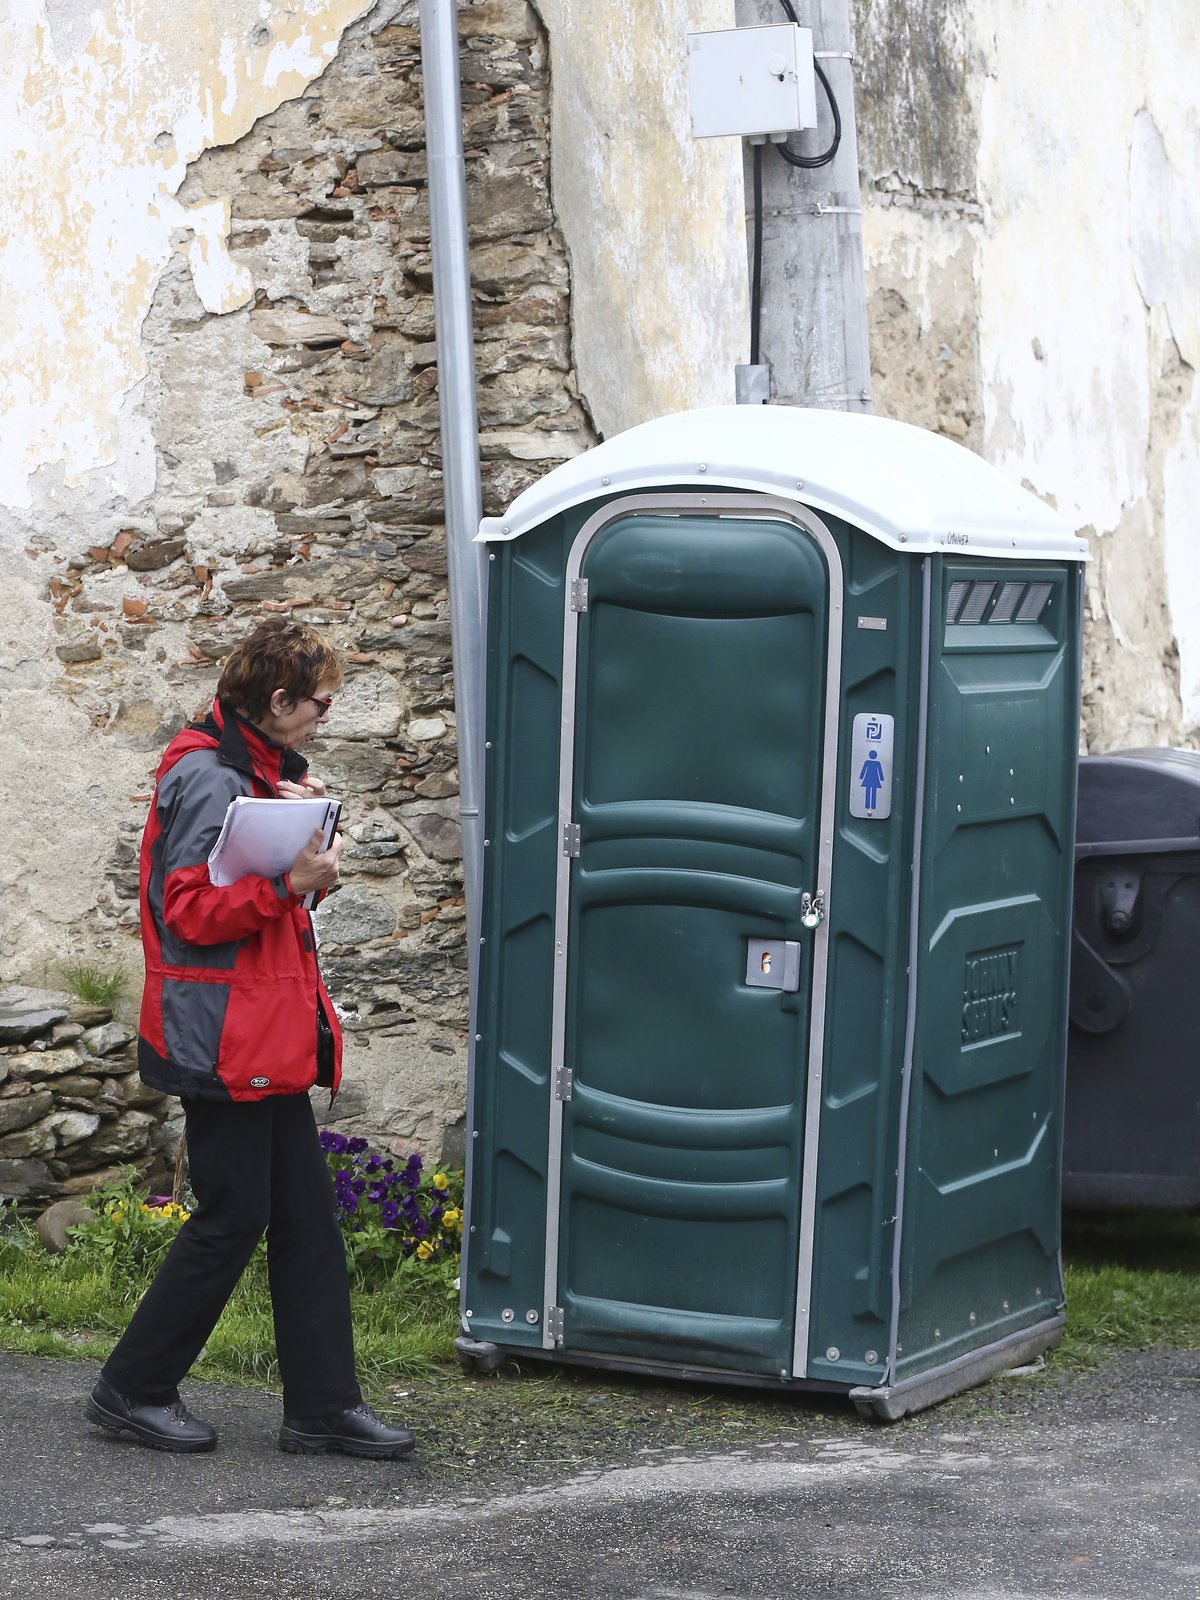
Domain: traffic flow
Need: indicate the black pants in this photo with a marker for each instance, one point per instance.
(253, 1165)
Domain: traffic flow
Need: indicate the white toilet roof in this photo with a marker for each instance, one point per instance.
(911, 489)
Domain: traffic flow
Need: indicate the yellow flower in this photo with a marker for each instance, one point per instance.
(451, 1216)
(440, 1180)
(424, 1250)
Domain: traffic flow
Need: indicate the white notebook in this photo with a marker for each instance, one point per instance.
(266, 836)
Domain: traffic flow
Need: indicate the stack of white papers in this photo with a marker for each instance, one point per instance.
(266, 836)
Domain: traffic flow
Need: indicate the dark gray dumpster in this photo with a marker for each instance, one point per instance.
(1132, 1122)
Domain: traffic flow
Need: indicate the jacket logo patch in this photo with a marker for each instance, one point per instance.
(260, 1083)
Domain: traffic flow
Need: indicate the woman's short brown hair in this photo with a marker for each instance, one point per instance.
(278, 655)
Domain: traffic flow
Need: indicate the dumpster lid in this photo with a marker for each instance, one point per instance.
(1148, 800)
(907, 487)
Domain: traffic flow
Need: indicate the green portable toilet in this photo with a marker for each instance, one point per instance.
(768, 1063)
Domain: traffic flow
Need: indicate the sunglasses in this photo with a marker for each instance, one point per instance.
(325, 705)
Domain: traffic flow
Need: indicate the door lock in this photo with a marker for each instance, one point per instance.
(812, 909)
(773, 964)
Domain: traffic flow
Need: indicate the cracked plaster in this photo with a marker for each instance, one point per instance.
(1043, 227)
(653, 219)
(102, 108)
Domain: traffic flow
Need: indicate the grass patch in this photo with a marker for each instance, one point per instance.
(1133, 1283)
(95, 987)
(65, 1306)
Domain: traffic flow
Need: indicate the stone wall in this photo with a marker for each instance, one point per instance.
(299, 472)
(73, 1111)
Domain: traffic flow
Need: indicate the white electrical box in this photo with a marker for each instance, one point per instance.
(747, 81)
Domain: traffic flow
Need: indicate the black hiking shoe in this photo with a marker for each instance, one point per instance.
(169, 1427)
(354, 1432)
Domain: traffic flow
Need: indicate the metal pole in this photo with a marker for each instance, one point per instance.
(814, 309)
(466, 561)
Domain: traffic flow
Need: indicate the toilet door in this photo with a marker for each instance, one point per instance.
(699, 670)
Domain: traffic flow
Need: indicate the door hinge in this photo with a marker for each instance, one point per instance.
(564, 1083)
(570, 838)
(555, 1323)
(579, 594)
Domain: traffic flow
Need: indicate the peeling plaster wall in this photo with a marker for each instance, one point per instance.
(285, 436)
(653, 219)
(101, 109)
(1032, 231)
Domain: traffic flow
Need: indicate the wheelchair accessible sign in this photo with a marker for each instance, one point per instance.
(871, 766)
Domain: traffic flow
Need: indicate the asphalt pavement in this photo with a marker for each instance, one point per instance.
(1076, 1485)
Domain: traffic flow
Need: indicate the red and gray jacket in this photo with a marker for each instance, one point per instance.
(229, 1011)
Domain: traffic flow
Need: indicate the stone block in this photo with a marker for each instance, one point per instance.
(21, 1111)
(70, 1127)
(439, 785)
(127, 1136)
(38, 1064)
(136, 1093)
(436, 829)
(356, 767)
(153, 554)
(89, 1181)
(281, 326)
(355, 916)
(369, 706)
(89, 1016)
(513, 204)
(499, 19)
(531, 444)
(431, 638)
(74, 655)
(18, 1025)
(429, 558)
(106, 1040)
(35, 1141)
(53, 1223)
(24, 1179)
(78, 1085)
(378, 168)
(261, 585)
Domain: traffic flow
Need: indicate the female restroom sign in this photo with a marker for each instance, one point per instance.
(871, 766)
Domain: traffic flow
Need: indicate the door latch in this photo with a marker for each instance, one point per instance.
(812, 909)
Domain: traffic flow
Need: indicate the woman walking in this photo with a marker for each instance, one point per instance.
(235, 1020)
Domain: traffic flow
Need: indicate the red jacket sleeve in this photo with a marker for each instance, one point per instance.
(197, 912)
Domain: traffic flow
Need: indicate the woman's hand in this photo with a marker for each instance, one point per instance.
(311, 789)
(315, 868)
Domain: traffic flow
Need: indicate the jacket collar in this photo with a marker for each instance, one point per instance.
(247, 749)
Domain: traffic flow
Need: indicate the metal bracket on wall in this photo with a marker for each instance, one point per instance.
(579, 594)
(555, 1323)
(571, 844)
(564, 1083)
